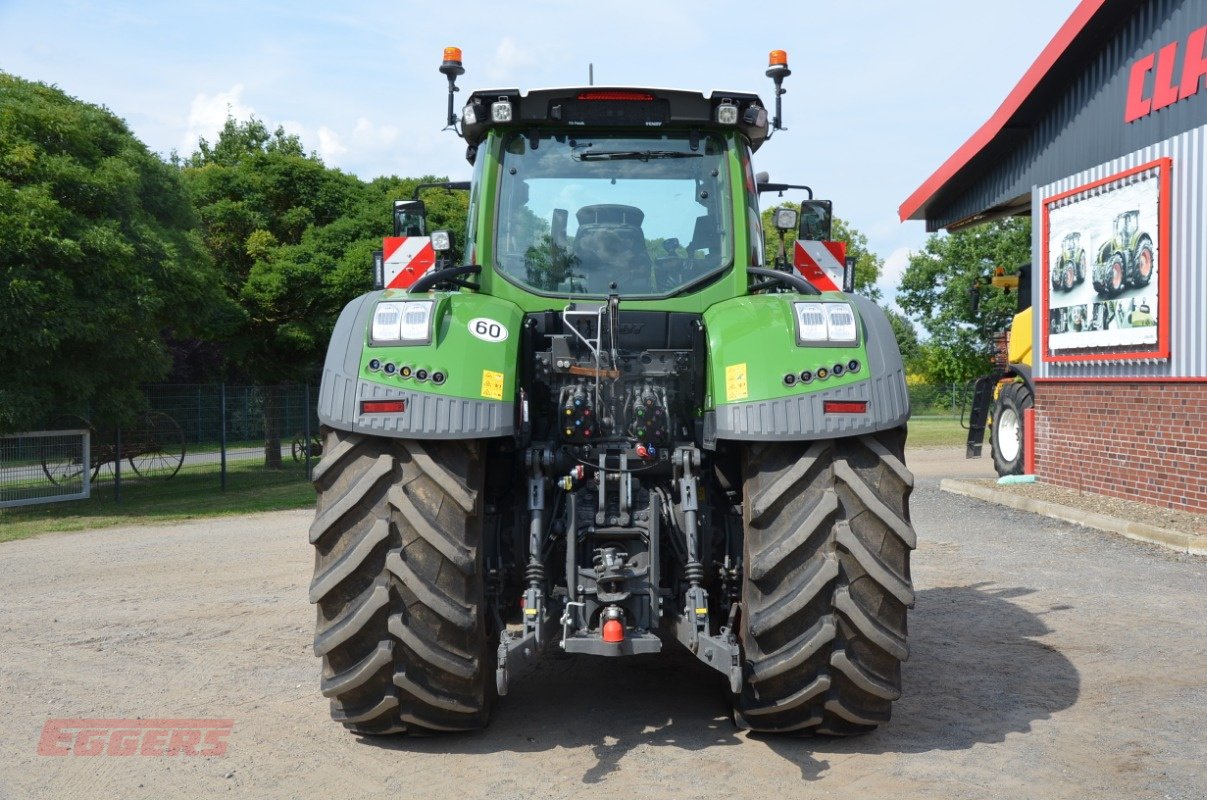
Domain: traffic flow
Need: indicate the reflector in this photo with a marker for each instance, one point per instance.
(383, 406)
(845, 406)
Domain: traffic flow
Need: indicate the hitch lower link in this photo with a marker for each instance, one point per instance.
(721, 652)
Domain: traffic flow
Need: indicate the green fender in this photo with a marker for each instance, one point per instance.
(476, 398)
(755, 389)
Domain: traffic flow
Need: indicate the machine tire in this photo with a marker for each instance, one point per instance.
(1007, 436)
(1081, 268)
(398, 584)
(826, 584)
(1144, 263)
(1115, 281)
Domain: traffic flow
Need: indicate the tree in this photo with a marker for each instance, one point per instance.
(294, 241)
(936, 290)
(99, 259)
(907, 337)
(868, 265)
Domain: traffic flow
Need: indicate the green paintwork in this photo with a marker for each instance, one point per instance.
(454, 350)
(760, 332)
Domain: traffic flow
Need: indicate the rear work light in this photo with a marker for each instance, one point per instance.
(845, 406)
(383, 406)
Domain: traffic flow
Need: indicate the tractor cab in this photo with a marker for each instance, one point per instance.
(1070, 244)
(1126, 225)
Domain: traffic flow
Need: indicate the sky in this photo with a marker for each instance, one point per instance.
(881, 93)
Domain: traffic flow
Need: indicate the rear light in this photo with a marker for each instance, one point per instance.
(632, 96)
(845, 406)
(383, 406)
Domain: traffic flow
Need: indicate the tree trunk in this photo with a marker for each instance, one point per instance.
(272, 427)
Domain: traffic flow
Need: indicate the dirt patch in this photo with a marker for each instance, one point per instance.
(1131, 510)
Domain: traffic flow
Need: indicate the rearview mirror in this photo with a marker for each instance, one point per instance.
(410, 218)
(816, 221)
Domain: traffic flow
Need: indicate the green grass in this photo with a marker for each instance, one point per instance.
(194, 492)
(936, 432)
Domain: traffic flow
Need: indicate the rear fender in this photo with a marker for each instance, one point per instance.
(753, 352)
(477, 396)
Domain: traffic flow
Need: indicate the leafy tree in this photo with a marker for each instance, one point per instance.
(99, 258)
(294, 241)
(936, 290)
(868, 265)
(907, 337)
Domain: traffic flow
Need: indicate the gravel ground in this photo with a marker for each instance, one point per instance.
(1048, 661)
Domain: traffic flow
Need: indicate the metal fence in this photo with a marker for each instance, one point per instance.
(44, 467)
(189, 438)
(928, 399)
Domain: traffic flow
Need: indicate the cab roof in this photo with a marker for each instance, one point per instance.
(578, 107)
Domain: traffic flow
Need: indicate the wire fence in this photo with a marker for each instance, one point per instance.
(941, 400)
(189, 438)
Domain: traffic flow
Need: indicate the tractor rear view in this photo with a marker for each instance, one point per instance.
(606, 427)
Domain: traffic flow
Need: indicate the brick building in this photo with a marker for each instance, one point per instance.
(1104, 144)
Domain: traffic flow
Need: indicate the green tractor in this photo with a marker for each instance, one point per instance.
(1126, 260)
(608, 427)
(1070, 267)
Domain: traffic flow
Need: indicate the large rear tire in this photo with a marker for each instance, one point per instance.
(826, 584)
(398, 583)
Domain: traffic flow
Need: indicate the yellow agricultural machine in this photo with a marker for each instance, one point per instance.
(1009, 389)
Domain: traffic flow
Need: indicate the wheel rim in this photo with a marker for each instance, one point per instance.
(1116, 275)
(1009, 434)
(1146, 262)
(156, 447)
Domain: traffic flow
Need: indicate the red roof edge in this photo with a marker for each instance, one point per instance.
(1059, 44)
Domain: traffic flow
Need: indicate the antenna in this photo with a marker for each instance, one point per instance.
(591, 74)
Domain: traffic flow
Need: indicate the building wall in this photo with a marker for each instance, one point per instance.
(1187, 262)
(1135, 429)
(1139, 441)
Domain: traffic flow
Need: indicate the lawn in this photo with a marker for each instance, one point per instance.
(194, 492)
(936, 432)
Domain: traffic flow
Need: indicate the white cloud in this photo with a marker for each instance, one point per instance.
(890, 276)
(331, 147)
(208, 113)
(368, 135)
(509, 60)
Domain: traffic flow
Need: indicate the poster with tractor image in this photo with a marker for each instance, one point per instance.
(1103, 281)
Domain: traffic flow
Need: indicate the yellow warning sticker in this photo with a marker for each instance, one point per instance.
(735, 383)
(492, 384)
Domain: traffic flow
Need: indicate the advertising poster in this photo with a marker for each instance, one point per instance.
(1104, 275)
